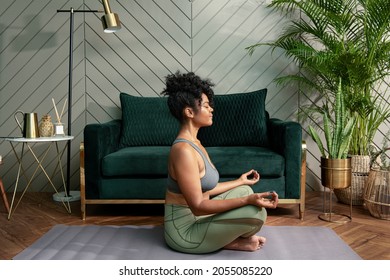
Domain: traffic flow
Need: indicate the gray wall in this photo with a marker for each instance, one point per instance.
(157, 38)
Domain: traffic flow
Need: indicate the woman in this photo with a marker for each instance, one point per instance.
(203, 215)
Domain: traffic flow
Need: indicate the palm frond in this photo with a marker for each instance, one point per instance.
(333, 39)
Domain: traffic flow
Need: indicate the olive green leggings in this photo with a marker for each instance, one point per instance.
(185, 232)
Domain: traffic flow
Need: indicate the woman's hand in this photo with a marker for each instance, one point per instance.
(250, 178)
(265, 199)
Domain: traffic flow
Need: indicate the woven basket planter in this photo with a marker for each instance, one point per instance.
(377, 194)
(360, 168)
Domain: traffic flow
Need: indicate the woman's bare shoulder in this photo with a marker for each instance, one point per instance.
(182, 149)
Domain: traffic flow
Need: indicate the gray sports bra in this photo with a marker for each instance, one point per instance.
(207, 182)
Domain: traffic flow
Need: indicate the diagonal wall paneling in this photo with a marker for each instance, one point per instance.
(158, 37)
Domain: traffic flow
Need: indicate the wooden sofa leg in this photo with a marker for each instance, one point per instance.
(82, 182)
(83, 215)
(301, 212)
(303, 182)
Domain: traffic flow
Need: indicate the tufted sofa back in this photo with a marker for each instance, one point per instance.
(239, 119)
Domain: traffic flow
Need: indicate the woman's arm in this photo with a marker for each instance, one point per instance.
(248, 178)
(185, 169)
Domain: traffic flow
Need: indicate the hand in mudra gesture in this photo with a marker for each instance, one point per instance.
(250, 178)
(266, 199)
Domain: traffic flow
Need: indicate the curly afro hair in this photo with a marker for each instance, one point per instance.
(185, 90)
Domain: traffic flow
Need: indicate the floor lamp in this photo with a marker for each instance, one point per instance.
(111, 24)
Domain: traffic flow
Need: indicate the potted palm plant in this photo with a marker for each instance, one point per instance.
(330, 39)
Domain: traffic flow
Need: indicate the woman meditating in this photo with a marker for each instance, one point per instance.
(203, 215)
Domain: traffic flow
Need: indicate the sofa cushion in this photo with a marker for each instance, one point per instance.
(146, 121)
(230, 161)
(135, 161)
(239, 119)
(233, 161)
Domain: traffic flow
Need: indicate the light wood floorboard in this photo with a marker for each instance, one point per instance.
(38, 213)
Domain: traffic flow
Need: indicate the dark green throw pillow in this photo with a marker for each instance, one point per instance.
(146, 121)
(239, 119)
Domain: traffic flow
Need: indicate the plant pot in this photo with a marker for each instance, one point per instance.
(336, 173)
(360, 168)
(377, 194)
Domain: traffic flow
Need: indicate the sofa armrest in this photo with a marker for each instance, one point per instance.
(99, 141)
(285, 138)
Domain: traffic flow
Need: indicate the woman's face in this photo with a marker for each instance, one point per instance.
(204, 115)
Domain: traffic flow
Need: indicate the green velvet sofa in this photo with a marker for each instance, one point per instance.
(125, 161)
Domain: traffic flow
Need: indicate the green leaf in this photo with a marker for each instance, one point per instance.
(346, 139)
(317, 139)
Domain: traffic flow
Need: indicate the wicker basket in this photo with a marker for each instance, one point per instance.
(377, 194)
(360, 167)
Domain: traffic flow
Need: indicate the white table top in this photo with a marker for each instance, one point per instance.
(40, 139)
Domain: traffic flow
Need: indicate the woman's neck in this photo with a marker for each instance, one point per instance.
(189, 132)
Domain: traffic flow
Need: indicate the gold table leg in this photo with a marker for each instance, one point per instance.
(39, 162)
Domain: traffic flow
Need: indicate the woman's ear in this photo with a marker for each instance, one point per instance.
(188, 112)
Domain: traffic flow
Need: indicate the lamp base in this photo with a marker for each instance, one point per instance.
(62, 197)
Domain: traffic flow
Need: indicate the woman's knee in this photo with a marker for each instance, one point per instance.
(245, 189)
(240, 191)
(243, 214)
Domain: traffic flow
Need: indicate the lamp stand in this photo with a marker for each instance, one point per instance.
(69, 195)
(111, 24)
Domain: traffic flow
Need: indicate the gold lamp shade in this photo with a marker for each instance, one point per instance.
(110, 20)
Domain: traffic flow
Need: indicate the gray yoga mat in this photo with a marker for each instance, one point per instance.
(93, 242)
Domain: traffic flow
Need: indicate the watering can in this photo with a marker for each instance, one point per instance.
(30, 124)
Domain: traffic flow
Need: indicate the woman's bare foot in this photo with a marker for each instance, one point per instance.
(251, 243)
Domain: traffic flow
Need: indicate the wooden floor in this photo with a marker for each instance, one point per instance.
(38, 213)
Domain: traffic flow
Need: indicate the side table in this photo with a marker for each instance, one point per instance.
(27, 143)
